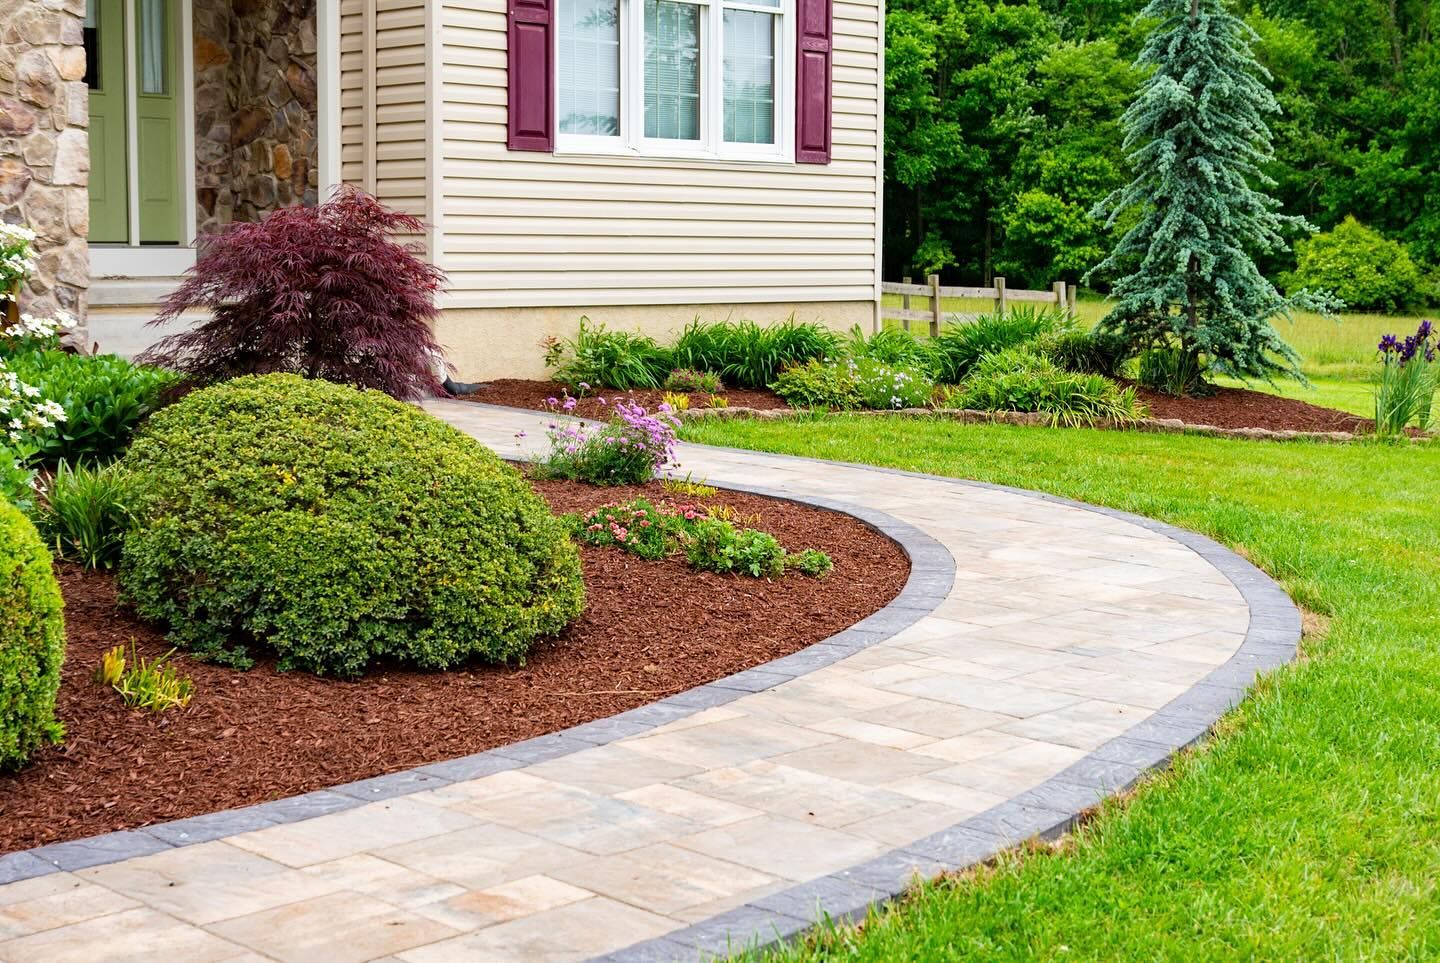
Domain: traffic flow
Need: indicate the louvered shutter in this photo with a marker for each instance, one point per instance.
(531, 61)
(812, 81)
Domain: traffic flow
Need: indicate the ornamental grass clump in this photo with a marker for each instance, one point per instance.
(327, 292)
(1409, 376)
(627, 450)
(334, 528)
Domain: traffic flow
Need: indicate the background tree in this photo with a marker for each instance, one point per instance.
(1196, 137)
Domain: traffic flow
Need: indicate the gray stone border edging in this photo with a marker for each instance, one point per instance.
(1048, 810)
(932, 571)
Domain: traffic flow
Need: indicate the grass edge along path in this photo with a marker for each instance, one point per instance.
(1309, 827)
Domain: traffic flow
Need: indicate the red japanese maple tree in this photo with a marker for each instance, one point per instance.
(326, 292)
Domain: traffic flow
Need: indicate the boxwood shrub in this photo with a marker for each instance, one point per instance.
(32, 641)
(336, 527)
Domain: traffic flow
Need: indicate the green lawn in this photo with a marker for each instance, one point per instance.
(1339, 352)
(1310, 827)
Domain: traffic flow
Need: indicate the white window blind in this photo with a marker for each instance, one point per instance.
(588, 87)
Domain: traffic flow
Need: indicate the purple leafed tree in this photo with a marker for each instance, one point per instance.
(326, 292)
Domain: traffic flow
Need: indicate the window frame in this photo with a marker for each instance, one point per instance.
(631, 140)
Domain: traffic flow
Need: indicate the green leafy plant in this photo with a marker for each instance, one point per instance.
(959, 347)
(596, 357)
(86, 513)
(1360, 267)
(890, 346)
(142, 683)
(1172, 370)
(818, 384)
(811, 562)
(716, 545)
(849, 383)
(335, 526)
(1085, 352)
(1021, 379)
(105, 399)
(688, 379)
(32, 641)
(1409, 376)
(639, 527)
(750, 356)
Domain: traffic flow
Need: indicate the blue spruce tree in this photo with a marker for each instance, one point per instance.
(1196, 137)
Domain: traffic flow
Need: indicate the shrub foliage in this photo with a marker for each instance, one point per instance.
(1361, 268)
(959, 347)
(104, 396)
(1022, 379)
(335, 527)
(326, 292)
(32, 641)
(599, 358)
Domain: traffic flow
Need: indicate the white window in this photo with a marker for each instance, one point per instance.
(676, 78)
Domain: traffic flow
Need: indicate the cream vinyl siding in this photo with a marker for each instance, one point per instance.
(383, 100)
(528, 229)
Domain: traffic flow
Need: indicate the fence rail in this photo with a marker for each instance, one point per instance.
(933, 294)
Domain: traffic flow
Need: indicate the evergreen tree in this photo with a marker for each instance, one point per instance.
(1196, 137)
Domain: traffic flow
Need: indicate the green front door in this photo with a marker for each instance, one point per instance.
(149, 84)
(105, 73)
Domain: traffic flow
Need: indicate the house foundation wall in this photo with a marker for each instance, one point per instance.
(484, 343)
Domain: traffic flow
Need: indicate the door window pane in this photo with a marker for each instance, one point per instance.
(153, 53)
(749, 77)
(672, 70)
(90, 34)
(589, 67)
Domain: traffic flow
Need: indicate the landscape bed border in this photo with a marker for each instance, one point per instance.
(1046, 811)
(972, 416)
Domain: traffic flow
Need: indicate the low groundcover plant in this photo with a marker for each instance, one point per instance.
(707, 537)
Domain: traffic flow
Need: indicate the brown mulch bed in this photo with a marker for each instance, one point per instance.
(650, 629)
(1226, 408)
(520, 393)
(1243, 408)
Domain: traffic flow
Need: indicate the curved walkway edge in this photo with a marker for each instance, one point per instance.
(1044, 655)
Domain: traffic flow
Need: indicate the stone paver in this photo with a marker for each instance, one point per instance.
(1043, 655)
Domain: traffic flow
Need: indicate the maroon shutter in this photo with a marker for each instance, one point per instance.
(812, 82)
(532, 69)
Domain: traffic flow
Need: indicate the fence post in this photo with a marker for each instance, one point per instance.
(934, 280)
(905, 304)
(999, 285)
(1071, 294)
(1059, 289)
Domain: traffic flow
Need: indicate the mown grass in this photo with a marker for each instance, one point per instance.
(1338, 353)
(1309, 828)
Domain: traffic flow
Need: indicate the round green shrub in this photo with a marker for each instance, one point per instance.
(32, 640)
(335, 527)
(1361, 267)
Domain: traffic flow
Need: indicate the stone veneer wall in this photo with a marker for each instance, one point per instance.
(255, 118)
(44, 146)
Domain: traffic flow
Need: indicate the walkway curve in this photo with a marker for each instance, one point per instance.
(1044, 655)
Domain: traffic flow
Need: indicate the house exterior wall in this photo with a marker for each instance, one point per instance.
(531, 241)
(44, 147)
(384, 97)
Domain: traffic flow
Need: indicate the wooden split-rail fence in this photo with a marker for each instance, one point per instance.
(925, 302)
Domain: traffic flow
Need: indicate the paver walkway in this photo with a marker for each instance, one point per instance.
(1028, 683)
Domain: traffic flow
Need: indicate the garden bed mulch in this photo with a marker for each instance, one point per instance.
(1243, 408)
(650, 629)
(521, 393)
(1228, 408)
